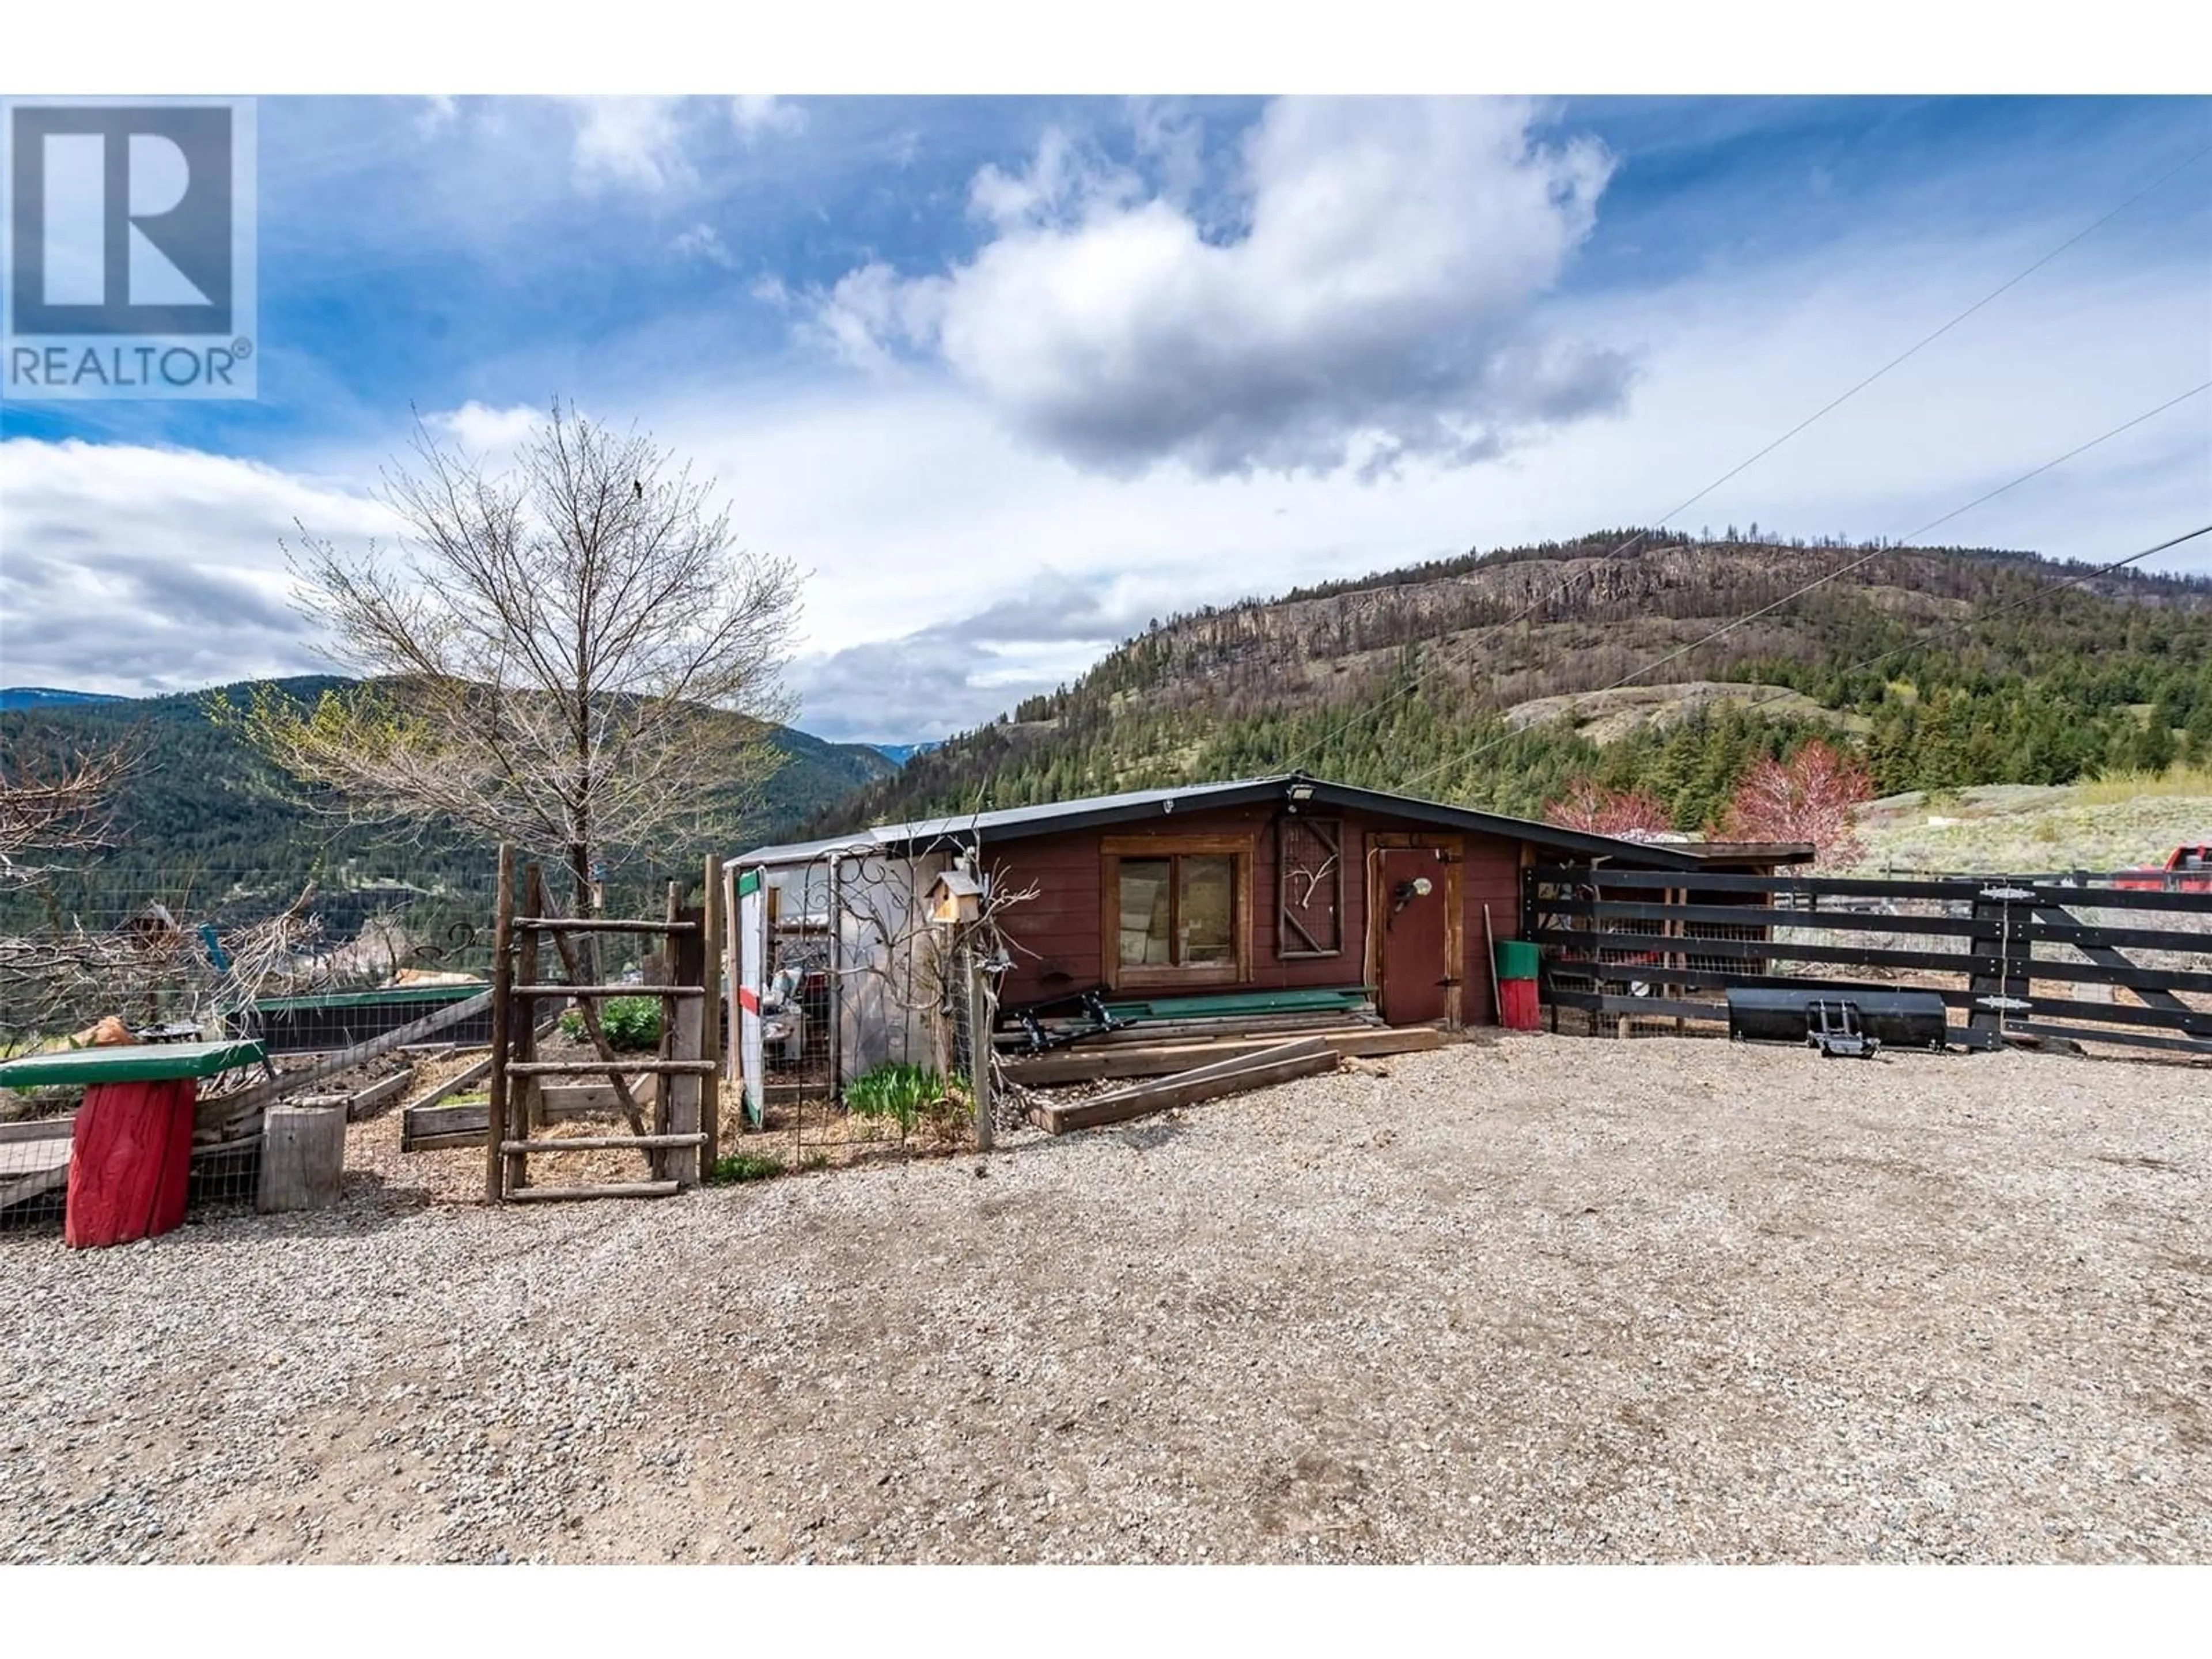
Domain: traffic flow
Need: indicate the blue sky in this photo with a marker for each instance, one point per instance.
(1012, 376)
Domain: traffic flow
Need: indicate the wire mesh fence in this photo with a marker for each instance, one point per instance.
(875, 1009)
(879, 1033)
(234, 951)
(38, 1141)
(920, 1101)
(200, 948)
(312, 967)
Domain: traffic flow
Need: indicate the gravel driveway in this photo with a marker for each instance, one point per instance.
(1543, 1299)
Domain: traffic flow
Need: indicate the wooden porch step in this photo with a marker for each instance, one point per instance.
(612, 1190)
(601, 1143)
(653, 1068)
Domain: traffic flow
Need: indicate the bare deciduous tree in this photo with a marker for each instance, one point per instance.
(57, 807)
(555, 656)
(1813, 797)
(56, 802)
(64, 974)
(1589, 805)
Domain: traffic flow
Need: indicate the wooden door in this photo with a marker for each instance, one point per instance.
(1412, 916)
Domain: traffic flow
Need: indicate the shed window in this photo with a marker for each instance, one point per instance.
(1177, 916)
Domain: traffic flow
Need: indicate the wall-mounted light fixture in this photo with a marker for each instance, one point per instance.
(1407, 892)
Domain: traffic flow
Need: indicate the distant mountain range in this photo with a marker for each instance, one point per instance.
(206, 800)
(1470, 678)
(902, 752)
(45, 696)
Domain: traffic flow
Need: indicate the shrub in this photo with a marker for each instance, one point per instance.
(630, 1023)
(896, 1090)
(742, 1166)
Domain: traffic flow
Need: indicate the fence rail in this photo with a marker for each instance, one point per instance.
(2046, 956)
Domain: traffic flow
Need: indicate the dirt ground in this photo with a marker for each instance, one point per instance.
(1547, 1299)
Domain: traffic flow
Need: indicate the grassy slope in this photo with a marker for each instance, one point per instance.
(2113, 824)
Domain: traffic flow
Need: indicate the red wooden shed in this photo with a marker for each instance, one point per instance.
(1254, 885)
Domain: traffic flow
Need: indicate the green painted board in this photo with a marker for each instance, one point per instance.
(1517, 959)
(126, 1062)
(1230, 1004)
(371, 999)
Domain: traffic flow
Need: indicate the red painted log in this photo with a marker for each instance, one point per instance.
(129, 1161)
(1519, 1002)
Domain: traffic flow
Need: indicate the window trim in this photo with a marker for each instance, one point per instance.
(1119, 976)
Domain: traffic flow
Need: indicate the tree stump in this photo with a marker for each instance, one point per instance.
(303, 1158)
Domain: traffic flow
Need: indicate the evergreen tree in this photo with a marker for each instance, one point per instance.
(2153, 748)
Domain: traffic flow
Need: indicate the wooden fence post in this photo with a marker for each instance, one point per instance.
(682, 1096)
(713, 934)
(522, 1108)
(979, 1045)
(671, 972)
(502, 978)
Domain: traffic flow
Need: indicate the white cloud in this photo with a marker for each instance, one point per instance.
(1375, 301)
(756, 115)
(492, 434)
(903, 150)
(957, 567)
(635, 142)
(439, 112)
(135, 569)
(942, 543)
(1174, 140)
(1061, 181)
(703, 242)
(858, 321)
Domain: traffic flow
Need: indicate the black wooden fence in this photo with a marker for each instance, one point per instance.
(2047, 957)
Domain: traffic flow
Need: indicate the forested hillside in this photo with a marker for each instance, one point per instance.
(203, 806)
(1940, 664)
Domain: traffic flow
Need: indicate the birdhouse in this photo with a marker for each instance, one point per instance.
(956, 897)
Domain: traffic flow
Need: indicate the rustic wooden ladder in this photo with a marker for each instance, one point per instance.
(679, 1142)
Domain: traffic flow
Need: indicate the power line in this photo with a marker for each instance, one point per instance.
(1834, 404)
(1836, 575)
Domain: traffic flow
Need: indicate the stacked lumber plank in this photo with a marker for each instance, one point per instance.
(226, 1123)
(1279, 1064)
(1163, 1055)
(1173, 1019)
(33, 1158)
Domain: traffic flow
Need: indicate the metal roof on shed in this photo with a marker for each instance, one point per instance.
(1053, 817)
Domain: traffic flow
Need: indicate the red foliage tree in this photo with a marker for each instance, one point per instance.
(1589, 805)
(1812, 797)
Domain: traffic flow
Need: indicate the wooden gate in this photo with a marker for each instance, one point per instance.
(678, 1140)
